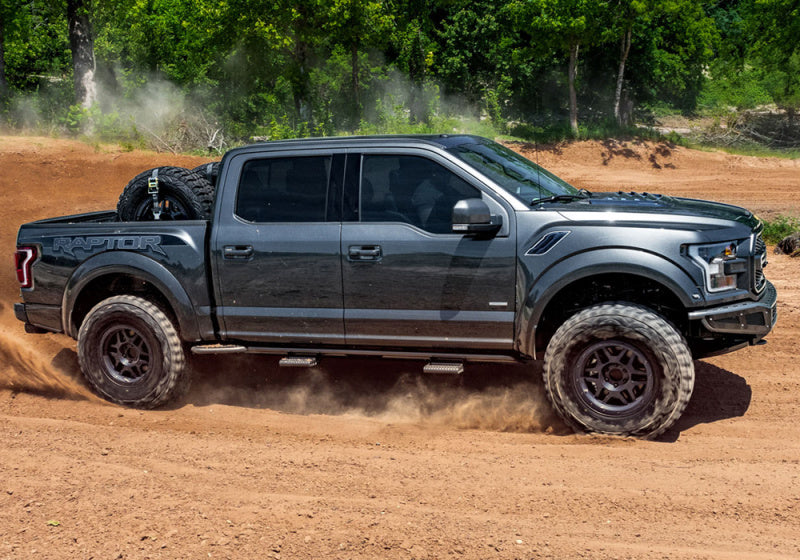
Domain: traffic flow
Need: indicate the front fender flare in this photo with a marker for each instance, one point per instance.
(593, 263)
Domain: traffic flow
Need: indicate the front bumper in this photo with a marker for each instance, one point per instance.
(753, 319)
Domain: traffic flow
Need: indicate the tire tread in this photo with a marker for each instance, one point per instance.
(175, 380)
(195, 189)
(622, 316)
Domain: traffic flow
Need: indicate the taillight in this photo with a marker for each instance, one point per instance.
(24, 258)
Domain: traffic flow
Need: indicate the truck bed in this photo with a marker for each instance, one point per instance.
(74, 252)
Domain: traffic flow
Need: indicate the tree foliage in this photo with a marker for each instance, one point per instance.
(296, 67)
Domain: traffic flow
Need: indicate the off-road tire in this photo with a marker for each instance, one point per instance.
(209, 171)
(130, 353)
(618, 369)
(185, 196)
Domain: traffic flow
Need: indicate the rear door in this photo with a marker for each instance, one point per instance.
(277, 248)
(408, 280)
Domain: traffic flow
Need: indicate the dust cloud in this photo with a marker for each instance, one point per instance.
(499, 398)
(23, 368)
(487, 397)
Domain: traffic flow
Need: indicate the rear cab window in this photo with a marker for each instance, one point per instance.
(284, 189)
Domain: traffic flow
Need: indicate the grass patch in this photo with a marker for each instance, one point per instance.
(601, 130)
(754, 150)
(779, 227)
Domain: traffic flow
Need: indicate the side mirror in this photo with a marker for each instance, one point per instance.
(472, 216)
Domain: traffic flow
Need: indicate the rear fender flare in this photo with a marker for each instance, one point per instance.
(138, 266)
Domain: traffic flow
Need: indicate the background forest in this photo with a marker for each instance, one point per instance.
(181, 74)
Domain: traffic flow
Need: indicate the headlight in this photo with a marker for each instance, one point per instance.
(720, 263)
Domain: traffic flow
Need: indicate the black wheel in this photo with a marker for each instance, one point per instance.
(182, 195)
(209, 171)
(618, 369)
(130, 353)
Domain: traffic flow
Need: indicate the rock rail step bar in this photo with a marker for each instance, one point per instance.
(444, 368)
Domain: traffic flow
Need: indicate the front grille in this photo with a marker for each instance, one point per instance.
(760, 246)
(759, 260)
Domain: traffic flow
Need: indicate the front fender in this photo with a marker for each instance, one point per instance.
(543, 288)
(138, 266)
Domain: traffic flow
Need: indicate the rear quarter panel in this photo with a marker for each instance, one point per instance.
(74, 252)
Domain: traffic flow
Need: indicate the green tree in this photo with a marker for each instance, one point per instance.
(676, 49)
(476, 39)
(176, 39)
(564, 26)
(774, 32)
(626, 14)
(7, 11)
(357, 24)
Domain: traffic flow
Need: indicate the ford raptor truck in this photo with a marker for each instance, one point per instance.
(446, 249)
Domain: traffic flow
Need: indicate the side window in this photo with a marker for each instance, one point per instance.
(412, 190)
(289, 189)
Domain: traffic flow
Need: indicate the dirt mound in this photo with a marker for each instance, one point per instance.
(368, 459)
(767, 186)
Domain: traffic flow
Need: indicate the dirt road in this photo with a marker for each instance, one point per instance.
(365, 459)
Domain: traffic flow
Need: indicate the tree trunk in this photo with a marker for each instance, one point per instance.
(625, 48)
(300, 82)
(416, 74)
(3, 81)
(82, 46)
(354, 62)
(573, 98)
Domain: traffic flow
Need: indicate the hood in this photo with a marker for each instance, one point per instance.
(632, 202)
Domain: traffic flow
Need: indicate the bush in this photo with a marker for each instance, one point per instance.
(778, 228)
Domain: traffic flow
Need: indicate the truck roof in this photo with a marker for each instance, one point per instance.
(438, 140)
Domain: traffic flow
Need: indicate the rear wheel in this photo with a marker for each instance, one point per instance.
(619, 369)
(130, 353)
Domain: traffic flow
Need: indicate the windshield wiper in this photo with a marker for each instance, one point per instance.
(561, 198)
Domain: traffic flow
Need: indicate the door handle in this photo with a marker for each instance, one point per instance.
(237, 252)
(370, 253)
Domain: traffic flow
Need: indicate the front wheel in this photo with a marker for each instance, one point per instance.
(130, 353)
(618, 369)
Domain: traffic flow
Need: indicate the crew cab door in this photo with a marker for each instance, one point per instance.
(276, 248)
(408, 280)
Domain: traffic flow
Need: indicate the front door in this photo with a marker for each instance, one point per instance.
(408, 280)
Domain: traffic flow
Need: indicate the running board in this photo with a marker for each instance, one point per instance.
(439, 357)
(219, 349)
(444, 368)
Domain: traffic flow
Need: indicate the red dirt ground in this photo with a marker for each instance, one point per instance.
(365, 459)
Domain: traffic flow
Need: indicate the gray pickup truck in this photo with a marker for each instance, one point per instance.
(446, 249)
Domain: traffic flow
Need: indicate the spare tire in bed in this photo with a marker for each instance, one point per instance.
(210, 171)
(182, 195)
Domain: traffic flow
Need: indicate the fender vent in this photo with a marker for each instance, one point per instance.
(547, 242)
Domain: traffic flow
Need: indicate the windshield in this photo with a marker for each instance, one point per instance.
(519, 176)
